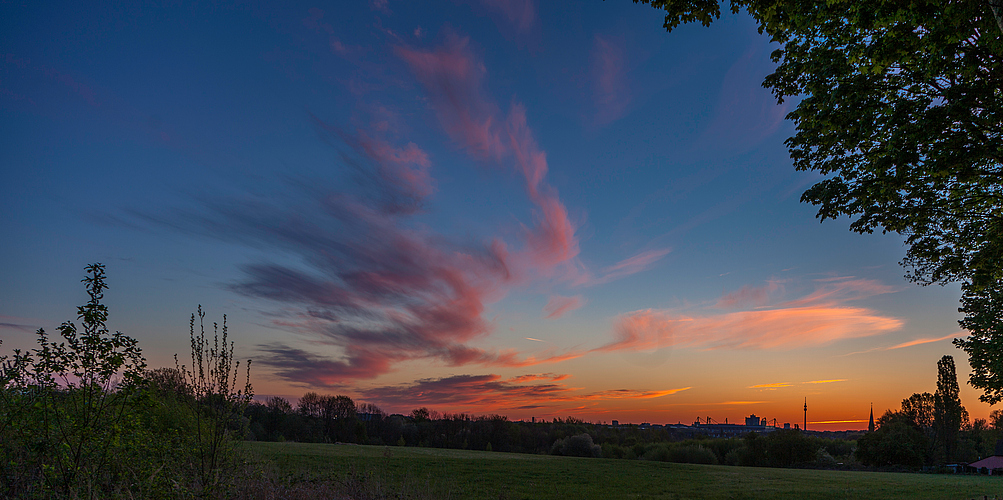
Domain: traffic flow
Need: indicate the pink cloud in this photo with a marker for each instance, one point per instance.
(609, 85)
(452, 76)
(406, 168)
(820, 318)
(755, 296)
(380, 5)
(557, 305)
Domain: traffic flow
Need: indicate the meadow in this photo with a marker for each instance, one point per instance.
(462, 474)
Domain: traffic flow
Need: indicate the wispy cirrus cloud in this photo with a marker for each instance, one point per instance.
(823, 316)
(746, 113)
(910, 343)
(361, 280)
(452, 76)
(19, 324)
(540, 376)
(611, 92)
(487, 393)
(774, 385)
(629, 266)
(558, 305)
(749, 296)
(781, 385)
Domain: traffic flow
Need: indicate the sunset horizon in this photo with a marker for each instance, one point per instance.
(529, 209)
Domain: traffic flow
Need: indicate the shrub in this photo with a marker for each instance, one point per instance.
(692, 454)
(69, 421)
(580, 445)
(210, 385)
(790, 448)
(895, 443)
(82, 418)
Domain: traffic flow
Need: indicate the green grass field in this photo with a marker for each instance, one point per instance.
(465, 474)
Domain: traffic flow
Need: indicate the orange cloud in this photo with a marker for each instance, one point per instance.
(775, 385)
(821, 317)
(541, 376)
(826, 381)
(922, 341)
(905, 344)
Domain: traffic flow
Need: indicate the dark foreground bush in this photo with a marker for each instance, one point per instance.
(692, 454)
(81, 417)
(576, 446)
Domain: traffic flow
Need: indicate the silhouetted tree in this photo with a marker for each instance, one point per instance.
(280, 405)
(948, 413)
(311, 404)
(895, 442)
(996, 419)
(920, 408)
(420, 414)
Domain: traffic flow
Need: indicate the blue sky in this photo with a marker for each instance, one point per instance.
(494, 206)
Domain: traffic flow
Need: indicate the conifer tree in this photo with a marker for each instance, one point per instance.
(948, 413)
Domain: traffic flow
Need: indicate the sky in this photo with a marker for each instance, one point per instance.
(533, 209)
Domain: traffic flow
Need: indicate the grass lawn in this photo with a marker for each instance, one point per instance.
(480, 474)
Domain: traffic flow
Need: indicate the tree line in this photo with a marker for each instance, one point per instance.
(928, 430)
(333, 419)
(931, 429)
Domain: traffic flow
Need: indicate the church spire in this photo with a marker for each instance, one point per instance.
(870, 426)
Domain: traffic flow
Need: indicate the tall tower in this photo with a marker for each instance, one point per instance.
(870, 425)
(805, 414)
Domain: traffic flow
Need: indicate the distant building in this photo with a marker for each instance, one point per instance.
(990, 465)
(753, 423)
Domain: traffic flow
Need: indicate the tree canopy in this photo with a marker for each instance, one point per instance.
(901, 109)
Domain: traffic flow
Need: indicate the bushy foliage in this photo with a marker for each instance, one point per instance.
(692, 454)
(580, 445)
(71, 423)
(209, 387)
(894, 443)
(81, 417)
